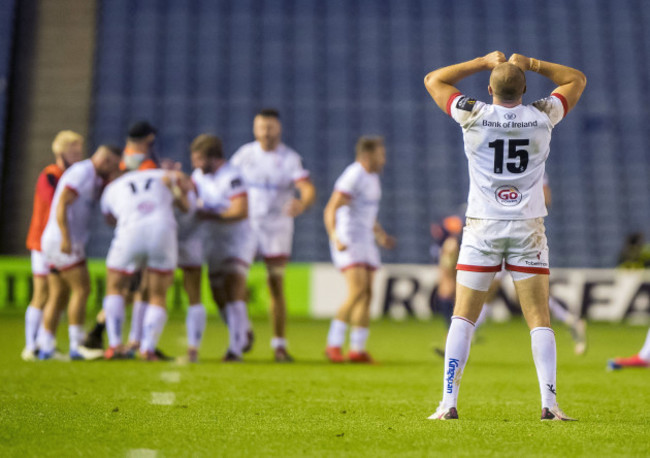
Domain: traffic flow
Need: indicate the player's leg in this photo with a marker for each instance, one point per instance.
(275, 268)
(360, 320)
(355, 280)
(115, 312)
(78, 280)
(471, 291)
(532, 290)
(58, 293)
(196, 318)
(137, 293)
(155, 317)
(234, 295)
(577, 326)
(641, 359)
(33, 315)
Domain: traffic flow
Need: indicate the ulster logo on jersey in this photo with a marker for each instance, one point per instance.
(465, 103)
(508, 195)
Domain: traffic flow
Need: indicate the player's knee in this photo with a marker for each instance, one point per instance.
(276, 272)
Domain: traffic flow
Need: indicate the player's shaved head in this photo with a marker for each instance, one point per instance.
(508, 82)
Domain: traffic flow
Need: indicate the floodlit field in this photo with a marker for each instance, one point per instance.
(312, 408)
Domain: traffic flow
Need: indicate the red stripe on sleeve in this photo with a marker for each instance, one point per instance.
(451, 99)
(72, 189)
(565, 105)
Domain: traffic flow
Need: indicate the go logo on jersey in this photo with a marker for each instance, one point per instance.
(508, 195)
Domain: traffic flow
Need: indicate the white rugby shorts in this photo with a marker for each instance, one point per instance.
(190, 252)
(273, 237)
(521, 243)
(40, 267)
(55, 259)
(228, 246)
(155, 248)
(357, 254)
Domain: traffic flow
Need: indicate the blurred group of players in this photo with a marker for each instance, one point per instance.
(223, 215)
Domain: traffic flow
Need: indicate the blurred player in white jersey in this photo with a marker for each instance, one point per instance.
(506, 144)
(140, 203)
(351, 221)
(68, 149)
(229, 244)
(273, 173)
(63, 243)
(641, 359)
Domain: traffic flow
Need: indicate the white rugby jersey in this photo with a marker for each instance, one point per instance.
(506, 149)
(356, 221)
(188, 224)
(139, 198)
(81, 178)
(270, 177)
(216, 190)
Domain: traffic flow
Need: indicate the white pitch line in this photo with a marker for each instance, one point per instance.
(141, 453)
(170, 377)
(163, 399)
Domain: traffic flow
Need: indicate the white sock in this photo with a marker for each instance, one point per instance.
(244, 322)
(76, 334)
(459, 340)
(278, 342)
(195, 323)
(560, 313)
(644, 354)
(233, 321)
(358, 338)
(45, 340)
(243, 315)
(33, 318)
(336, 336)
(114, 311)
(137, 321)
(543, 345)
(155, 318)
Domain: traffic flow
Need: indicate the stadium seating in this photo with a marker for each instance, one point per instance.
(339, 69)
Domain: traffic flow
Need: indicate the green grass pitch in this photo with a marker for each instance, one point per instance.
(312, 408)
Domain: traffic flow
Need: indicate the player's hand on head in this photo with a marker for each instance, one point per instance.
(494, 58)
(520, 61)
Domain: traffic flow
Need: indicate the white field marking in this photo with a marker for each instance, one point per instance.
(141, 453)
(170, 377)
(163, 399)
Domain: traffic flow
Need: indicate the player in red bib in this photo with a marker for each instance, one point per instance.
(68, 149)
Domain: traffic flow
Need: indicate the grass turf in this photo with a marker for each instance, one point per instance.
(312, 408)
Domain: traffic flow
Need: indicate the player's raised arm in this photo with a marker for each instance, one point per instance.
(337, 200)
(237, 211)
(571, 82)
(173, 180)
(441, 82)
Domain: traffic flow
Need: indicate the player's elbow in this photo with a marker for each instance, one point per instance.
(582, 79)
(429, 80)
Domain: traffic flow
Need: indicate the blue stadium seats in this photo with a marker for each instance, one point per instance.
(340, 69)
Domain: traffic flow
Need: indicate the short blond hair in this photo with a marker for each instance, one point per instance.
(64, 139)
